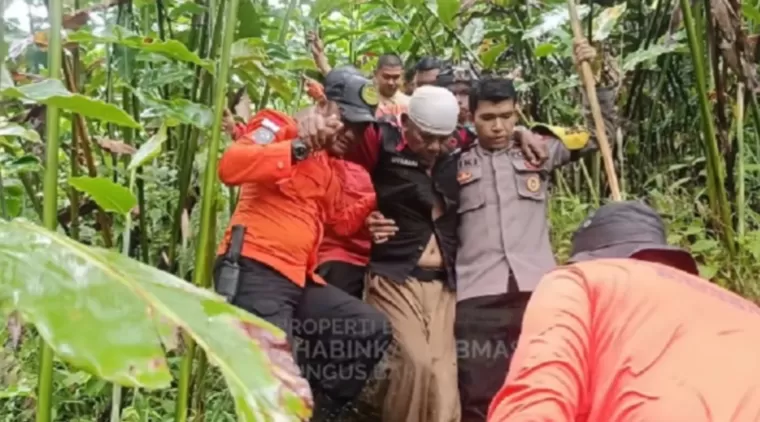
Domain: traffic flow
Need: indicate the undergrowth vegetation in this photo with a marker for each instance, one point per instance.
(114, 143)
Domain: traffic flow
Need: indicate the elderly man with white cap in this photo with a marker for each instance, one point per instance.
(411, 276)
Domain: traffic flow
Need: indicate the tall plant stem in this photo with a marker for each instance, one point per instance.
(208, 194)
(50, 203)
(715, 190)
(740, 157)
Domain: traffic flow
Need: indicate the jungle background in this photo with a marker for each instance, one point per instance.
(138, 98)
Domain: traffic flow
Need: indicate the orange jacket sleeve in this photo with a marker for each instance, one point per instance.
(347, 214)
(549, 374)
(245, 161)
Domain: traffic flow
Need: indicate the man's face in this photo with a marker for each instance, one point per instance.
(409, 87)
(427, 146)
(388, 79)
(495, 122)
(426, 77)
(462, 92)
(346, 138)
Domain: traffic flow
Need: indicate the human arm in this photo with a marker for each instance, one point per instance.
(567, 144)
(318, 52)
(264, 153)
(246, 162)
(549, 374)
(349, 211)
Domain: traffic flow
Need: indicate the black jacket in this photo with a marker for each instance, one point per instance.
(406, 194)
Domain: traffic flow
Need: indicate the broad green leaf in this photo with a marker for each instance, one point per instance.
(15, 130)
(13, 193)
(99, 311)
(553, 20)
(707, 271)
(703, 245)
(473, 33)
(447, 11)
(108, 195)
(320, 7)
(170, 48)
(52, 92)
(5, 77)
(179, 109)
(649, 54)
(149, 150)
(543, 50)
(489, 56)
(26, 163)
(751, 12)
(249, 19)
(605, 22)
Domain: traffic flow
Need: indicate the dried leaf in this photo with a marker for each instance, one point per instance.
(116, 147)
(185, 226)
(76, 20)
(15, 329)
(243, 107)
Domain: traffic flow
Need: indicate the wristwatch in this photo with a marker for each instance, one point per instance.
(299, 150)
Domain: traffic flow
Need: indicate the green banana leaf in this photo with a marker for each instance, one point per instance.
(114, 317)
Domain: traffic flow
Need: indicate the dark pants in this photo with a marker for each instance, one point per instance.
(337, 339)
(487, 329)
(345, 276)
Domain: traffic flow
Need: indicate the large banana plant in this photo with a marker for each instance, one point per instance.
(117, 318)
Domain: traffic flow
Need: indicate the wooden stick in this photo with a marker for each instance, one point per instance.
(601, 134)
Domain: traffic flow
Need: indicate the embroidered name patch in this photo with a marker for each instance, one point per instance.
(469, 162)
(404, 162)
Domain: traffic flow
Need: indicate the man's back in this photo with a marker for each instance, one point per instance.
(627, 340)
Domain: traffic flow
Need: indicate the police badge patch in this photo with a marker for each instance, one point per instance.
(262, 136)
(369, 95)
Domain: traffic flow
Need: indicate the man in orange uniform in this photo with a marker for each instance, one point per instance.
(290, 188)
(631, 333)
(343, 259)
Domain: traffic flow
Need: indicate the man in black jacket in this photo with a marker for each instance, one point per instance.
(411, 274)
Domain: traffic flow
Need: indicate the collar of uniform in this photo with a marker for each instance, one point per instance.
(488, 152)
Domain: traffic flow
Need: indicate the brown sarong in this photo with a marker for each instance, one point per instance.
(422, 381)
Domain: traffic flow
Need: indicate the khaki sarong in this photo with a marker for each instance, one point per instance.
(422, 381)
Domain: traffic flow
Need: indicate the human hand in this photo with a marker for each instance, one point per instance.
(533, 147)
(380, 228)
(315, 43)
(583, 51)
(317, 130)
(228, 122)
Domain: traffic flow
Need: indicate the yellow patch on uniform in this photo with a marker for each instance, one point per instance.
(369, 95)
(533, 183)
(574, 138)
(464, 176)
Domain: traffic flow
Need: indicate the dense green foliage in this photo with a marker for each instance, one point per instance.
(138, 111)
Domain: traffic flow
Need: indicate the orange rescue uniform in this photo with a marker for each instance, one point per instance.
(284, 205)
(625, 340)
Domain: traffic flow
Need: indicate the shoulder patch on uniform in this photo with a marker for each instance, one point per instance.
(263, 136)
(274, 127)
(369, 95)
(464, 177)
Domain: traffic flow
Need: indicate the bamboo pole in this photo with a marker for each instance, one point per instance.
(588, 81)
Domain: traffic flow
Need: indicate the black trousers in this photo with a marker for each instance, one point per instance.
(487, 329)
(337, 339)
(345, 276)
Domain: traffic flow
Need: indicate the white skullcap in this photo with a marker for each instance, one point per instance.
(434, 110)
